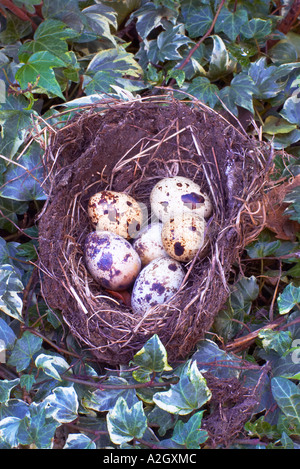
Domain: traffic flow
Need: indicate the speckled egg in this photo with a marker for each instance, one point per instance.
(156, 284)
(116, 212)
(183, 236)
(174, 195)
(111, 260)
(148, 243)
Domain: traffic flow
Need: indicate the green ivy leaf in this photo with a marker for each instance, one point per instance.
(197, 19)
(68, 12)
(15, 121)
(152, 358)
(151, 16)
(287, 396)
(103, 401)
(15, 29)
(204, 90)
(269, 80)
(106, 67)
(256, 28)
(37, 428)
(52, 365)
(51, 36)
(5, 388)
(24, 350)
(38, 70)
(10, 287)
(79, 441)
(190, 393)
(126, 423)
(275, 125)
(22, 180)
(100, 19)
(239, 93)
(291, 110)
(288, 299)
(166, 46)
(231, 22)
(293, 198)
(245, 292)
(62, 404)
(280, 341)
(189, 434)
(7, 335)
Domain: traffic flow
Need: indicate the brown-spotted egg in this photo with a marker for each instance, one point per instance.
(116, 212)
(183, 236)
(156, 284)
(111, 260)
(174, 195)
(148, 244)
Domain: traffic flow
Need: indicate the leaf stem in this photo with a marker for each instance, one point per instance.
(103, 386)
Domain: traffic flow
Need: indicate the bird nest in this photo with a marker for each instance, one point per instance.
(128, 147)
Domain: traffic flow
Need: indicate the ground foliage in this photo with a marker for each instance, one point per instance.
(239, 56)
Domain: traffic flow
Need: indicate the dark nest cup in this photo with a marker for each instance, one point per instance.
(128, 147)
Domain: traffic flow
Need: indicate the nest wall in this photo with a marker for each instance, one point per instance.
(128, 147)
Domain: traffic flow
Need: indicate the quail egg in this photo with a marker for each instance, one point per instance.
(183, 236)
(111, 260)
(156, 284)
(116, 212)
(148, 243)
(174, 195)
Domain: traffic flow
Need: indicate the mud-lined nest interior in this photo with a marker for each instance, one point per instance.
(128, 147)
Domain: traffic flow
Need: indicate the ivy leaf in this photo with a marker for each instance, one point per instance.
(9, 427)
(287, 396)
(22, 180)
(10, 285)
(245, 292)
(288, 299)
(269, 80)
(52, 365)
(24, 350)
(275, 125)
(15, 121)
(102, 401)
(99, 21)
(79, 441)
(166, 46)
(230, 22)
(280, 341)
(106, 67)
(5, 388)
(189, 434)
(37, 428)
(38, 70)
(51, 36)
(126, 423)
(62, 404)
(256, 28)
(239, 93)
(197, 19)
(293, 198)
(152, 358)
(151, 16)
(7, 335)
(291, 110)
(67, 12)
(204, 90)
(190, 393)
(15, 29)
